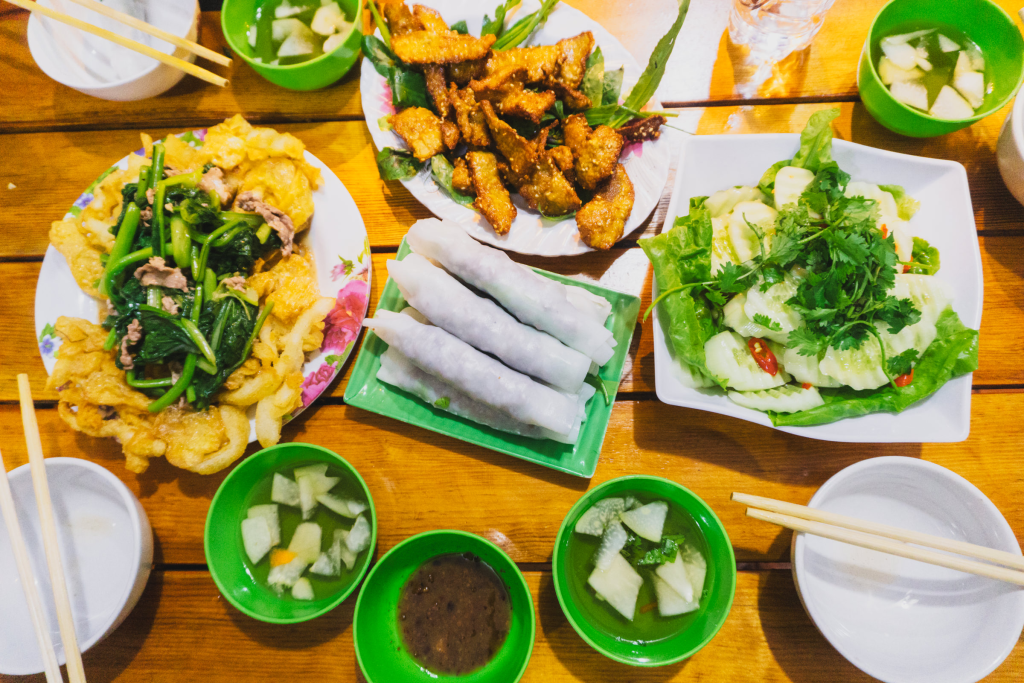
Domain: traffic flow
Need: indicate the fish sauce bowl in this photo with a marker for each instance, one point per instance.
(719, 583)
(380, 651)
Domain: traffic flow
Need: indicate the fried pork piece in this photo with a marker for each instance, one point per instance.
(400, 19)
(563, 157)
(460, 178)
(450, 134)
(548, 191)
(520, 152)
(429, 19)
(640, 129)
(603, 219)
(597, 158)
(574, 99)
(540, 63)
(427, 47)
(572, 60)
(492, 199)
(464, 72)
(512, 99)
(510, 177)
(469, 116)
(575, 132)
(438, 89)
(421, 130)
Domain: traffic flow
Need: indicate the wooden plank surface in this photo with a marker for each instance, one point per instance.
(1000, 364)
(421, 480)
(182, 627)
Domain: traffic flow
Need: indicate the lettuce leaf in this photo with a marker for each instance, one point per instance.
(816, 141)
(593, 79)
(442, 170)
(953, 353)
(397, 164)
(906, 205)
(925, 258)
(767, 183)
(680, 256)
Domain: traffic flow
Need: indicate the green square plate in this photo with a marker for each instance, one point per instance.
(365, 391)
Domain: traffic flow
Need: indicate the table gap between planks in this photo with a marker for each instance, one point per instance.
(181, 624)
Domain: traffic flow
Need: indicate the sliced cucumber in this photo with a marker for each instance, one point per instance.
(789, 398)
(327, 564)
(612, 542)
(303, 589)
(283, 28)
(772, 304)
(619, 585)
(307, 496)
(696, 568)
(890, 73)
(343, 506)
(929, 294)
(647, 520)
(593, 521)
(904, 241)
(723, 201)
(950, 105)
(859, 368)
(269, 513)
(790, 182)
(887, 209)
(632, 502)
(804, 369)
(671, 603)
(256, 538)
(910, 93)
(284, 491)
(675, 575)
(722, 251)
(971, 85)
(327, 19)
(899, 51)
(728, 358)
(947, 45)
(306, 541)
(358, 538)
(285, 575)
(346, 555)
(736, 318)
(334, 42)
(744, 240)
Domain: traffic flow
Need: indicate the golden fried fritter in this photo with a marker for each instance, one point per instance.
(429, 19)
(438, 89)
(492, 199)
(540, 62)
(421, 130)
(400, 20)
(574, 99)
(426, 47)
(548, 191)
(512, 99)
(603, 219)
(563, 157)
(598, 157)
(510, 177)
(450, 134)
(464, 72)
(642, 128)
(470, 117)
(575, 132)
(460, 178)
(520, 152)
(572, 60)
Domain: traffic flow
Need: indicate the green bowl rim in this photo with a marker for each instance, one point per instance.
(345, 592)
(357, 24)
(441, 532)
(559, 588)
(866, 51)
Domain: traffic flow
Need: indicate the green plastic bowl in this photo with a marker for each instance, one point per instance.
(236, 16)
(983, 21)
(223, 538)
(720, 584)
(380, 652)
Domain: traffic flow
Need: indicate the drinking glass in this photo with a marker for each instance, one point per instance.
(776, 28)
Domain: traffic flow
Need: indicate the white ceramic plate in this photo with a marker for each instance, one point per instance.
(709, 163)
(106, 548)
(647, 164)
(341, 254)
(899, 620)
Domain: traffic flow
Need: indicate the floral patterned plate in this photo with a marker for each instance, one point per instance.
(341, 254)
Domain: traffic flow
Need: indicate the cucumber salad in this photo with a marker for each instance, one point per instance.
(807, 297)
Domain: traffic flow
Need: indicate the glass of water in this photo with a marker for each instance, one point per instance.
(775, 28)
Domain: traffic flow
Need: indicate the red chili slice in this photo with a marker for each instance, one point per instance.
(904, 380)
(763, 356)
(885, 231)
(806, 385)
(906, 267)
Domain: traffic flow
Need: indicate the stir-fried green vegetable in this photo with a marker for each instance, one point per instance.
(182, 342)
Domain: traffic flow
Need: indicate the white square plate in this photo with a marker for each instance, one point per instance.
(709, 163)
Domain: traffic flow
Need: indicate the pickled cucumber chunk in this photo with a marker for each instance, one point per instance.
(619, 585)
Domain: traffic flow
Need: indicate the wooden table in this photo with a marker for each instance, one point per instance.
(54, 141)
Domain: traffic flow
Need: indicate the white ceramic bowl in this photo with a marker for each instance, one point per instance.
(1010, 150)
(104, 69)
(106, 545)
(709, 163)
(899, 620)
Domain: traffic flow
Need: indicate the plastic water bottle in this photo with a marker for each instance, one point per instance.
(773, 29)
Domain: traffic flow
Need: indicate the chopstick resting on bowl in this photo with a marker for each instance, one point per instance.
(128, 43)
(886, 539)
(72, 655)
(21, 559)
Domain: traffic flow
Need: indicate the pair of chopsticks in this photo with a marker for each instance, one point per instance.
(76, 672)
(887, 539)
(133, 45)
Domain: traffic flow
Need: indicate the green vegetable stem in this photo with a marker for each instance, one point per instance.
(122, 243)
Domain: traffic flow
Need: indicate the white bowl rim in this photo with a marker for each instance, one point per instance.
(33, 29)
(1016, 116)
(131, 503)
(967, 489)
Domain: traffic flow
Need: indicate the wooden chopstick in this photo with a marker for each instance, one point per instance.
(72, 655)
(35, 604)
(887, 545)
(170, 60)
(129, 20)
(917, 538)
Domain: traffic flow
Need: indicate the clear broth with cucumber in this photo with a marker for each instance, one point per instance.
(267, 42)
(290, 517)
(647, 626)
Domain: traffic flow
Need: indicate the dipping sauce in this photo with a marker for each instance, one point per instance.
(454, 614)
